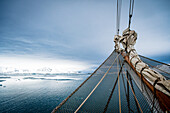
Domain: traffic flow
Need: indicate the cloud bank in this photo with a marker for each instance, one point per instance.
(79, 30)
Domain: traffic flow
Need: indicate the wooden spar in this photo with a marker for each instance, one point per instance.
(163, 99)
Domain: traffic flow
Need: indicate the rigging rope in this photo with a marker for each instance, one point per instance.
(125, 89)
(156, 67)
(119, 4)
(133, 93)
(132, 89)
(96, 86)
(119, 90)
(160, 70)
(126, 93)
(119, 72)
(154, 60)
(63, 102)
(131, 11)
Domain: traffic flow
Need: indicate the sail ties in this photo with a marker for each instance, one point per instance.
(117, 43)
(128, 40)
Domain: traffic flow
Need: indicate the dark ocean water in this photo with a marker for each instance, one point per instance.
(36, 94)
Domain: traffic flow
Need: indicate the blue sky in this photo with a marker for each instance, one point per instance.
(79, 30)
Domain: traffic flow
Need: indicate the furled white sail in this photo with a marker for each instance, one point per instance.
(128, 40)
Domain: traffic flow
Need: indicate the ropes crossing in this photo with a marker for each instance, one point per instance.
(133, 93)
(98, 93)
(105, 109)
(94, 95)
(95, 86)
(79, 86)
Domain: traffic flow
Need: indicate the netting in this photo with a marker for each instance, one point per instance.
(100, 93)
(147, 93)
(160, 67)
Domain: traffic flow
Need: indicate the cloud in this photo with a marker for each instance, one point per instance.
(59, 65)
(79, 30)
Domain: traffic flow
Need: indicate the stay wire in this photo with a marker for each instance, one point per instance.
(131, 7)
(119, 4)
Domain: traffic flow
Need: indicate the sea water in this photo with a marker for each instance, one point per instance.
(36, 93)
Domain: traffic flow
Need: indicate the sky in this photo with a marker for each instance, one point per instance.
(78, 33)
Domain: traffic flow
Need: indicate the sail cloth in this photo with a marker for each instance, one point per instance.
(128, 40)
(105, 98)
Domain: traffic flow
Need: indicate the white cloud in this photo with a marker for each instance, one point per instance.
(58, 66)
